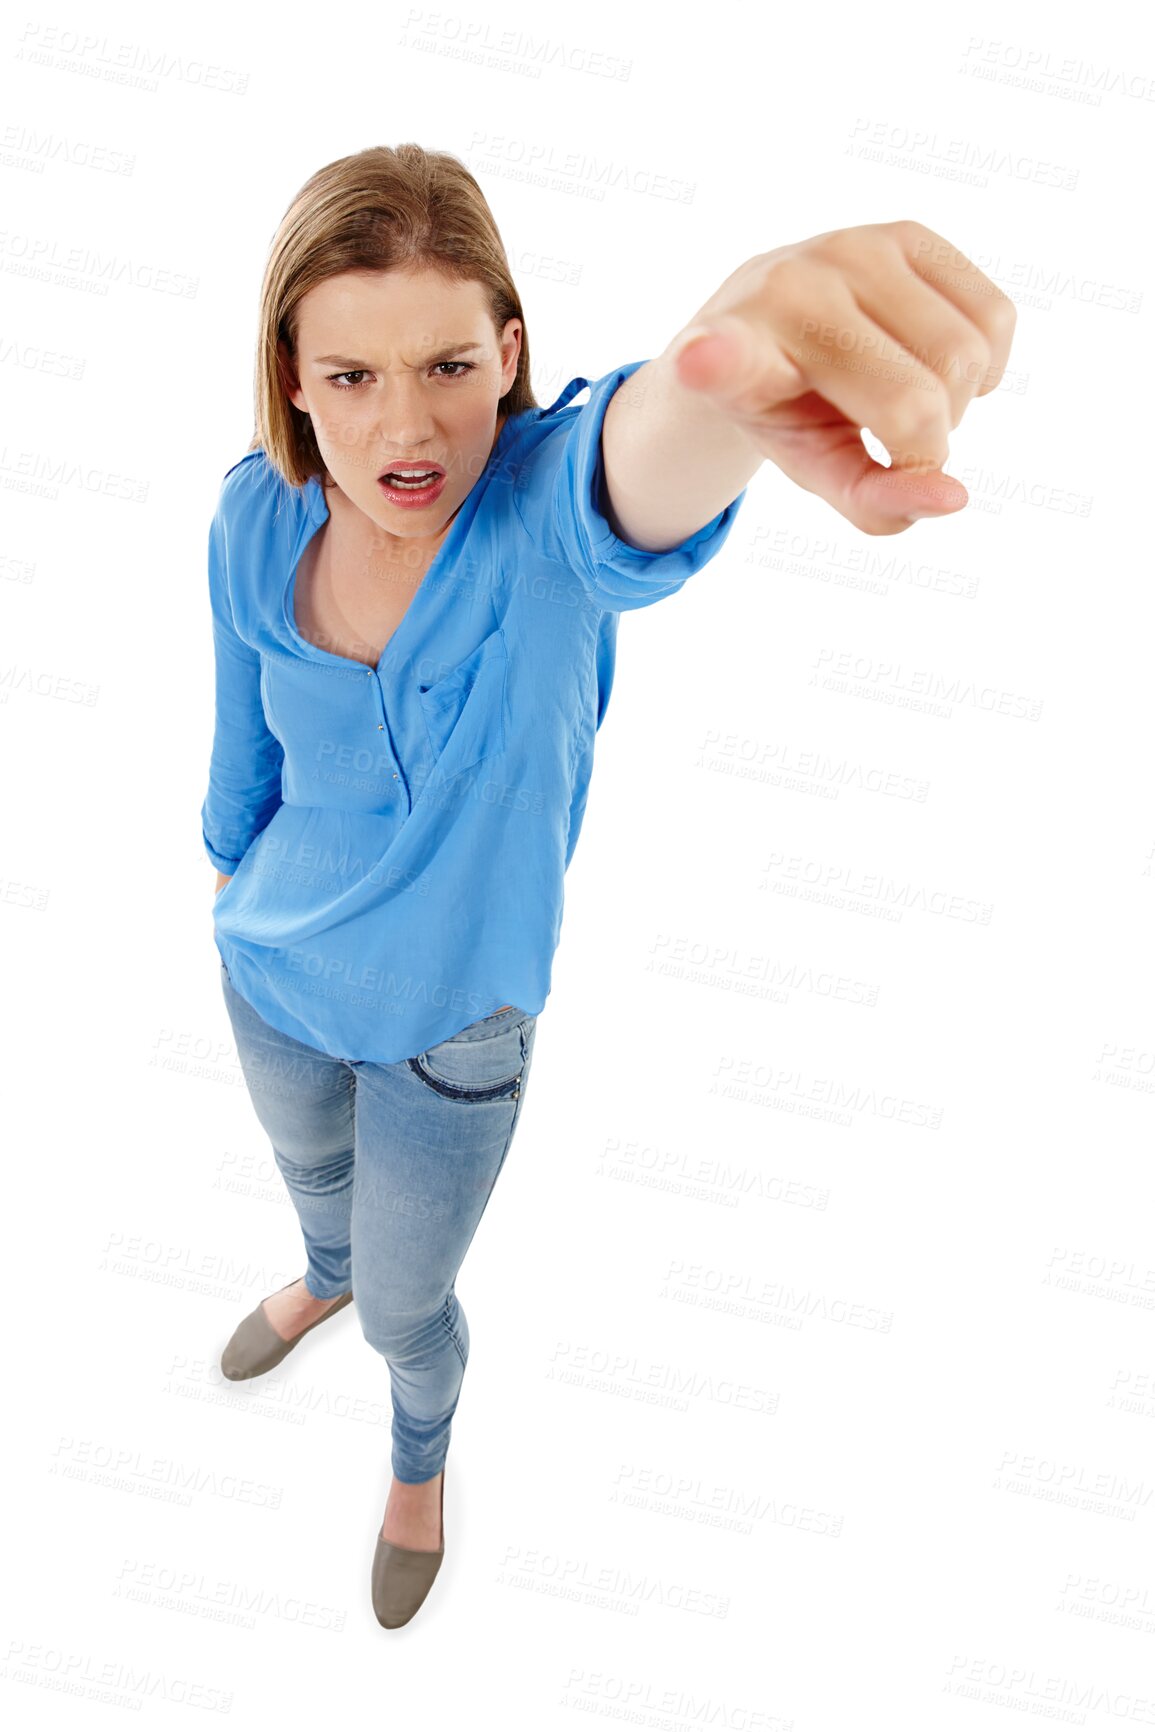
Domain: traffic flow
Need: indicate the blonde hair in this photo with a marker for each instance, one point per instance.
(372, 211)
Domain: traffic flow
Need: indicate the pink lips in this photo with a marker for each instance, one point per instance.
(413, 497)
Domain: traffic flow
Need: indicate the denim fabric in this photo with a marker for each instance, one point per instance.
(390, 1167)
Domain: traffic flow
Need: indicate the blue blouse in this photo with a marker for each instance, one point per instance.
(398, 836)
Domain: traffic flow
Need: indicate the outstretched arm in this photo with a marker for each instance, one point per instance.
(885, 326)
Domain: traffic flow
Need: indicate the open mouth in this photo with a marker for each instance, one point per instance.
(414, 488)
(411, 479)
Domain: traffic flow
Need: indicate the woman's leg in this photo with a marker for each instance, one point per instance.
(304, 1101)
(432, 1134)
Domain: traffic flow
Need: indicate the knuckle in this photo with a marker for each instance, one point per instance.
(973, 362)
(838, 247)
(790, 278)
(907, 232)
(1004, 312)
(921, 412)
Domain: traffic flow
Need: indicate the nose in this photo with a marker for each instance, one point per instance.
(405, 423)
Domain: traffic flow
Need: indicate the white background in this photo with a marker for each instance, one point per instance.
(813, 1372)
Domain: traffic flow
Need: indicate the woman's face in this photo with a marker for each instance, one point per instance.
(401, 368)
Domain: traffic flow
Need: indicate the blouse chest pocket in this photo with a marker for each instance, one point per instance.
(464, 711)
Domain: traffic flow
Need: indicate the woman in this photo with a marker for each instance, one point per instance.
(415, 576)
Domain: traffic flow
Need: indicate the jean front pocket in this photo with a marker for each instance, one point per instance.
(466, 1068)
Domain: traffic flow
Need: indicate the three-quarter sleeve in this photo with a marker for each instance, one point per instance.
(558, 494)
(245, 767)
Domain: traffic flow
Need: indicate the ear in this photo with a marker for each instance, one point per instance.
(510, 353)
(289, 380)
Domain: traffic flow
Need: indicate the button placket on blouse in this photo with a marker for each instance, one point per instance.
(316, 514)
(309, 651)
(390, 743)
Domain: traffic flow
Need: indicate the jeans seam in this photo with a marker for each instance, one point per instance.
(451, 1331)
(517, 1099)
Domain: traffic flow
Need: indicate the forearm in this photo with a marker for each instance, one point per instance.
(671, 461)
(247, 758)
(223, 878)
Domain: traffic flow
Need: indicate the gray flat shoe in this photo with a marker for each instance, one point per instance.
(255, 1347)
(402, 1578)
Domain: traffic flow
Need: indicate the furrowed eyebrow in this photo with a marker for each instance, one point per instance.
(353, 365)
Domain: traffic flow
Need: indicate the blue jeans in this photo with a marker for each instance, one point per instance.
(389, 1167)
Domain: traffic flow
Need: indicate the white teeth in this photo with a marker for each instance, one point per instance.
(412, 481)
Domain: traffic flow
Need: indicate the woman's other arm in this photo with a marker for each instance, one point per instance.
(244, 783)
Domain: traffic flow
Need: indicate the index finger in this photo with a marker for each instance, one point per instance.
(940, 264)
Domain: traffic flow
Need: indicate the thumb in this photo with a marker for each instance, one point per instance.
(736, 367)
